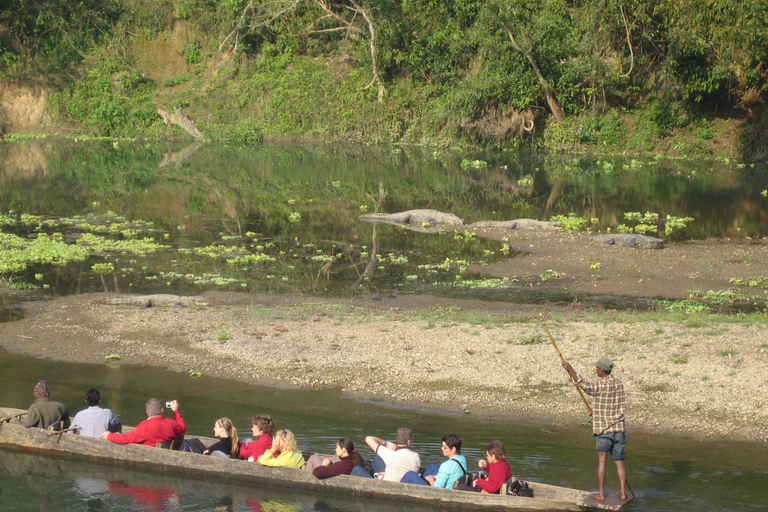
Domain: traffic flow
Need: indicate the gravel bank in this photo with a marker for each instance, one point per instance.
(707, 380)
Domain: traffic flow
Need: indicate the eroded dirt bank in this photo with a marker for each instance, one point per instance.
(705, 379)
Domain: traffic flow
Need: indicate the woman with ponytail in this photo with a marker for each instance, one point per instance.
(348, 459)
(228, 443)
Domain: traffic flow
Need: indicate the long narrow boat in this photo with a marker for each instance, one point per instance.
(72, 446)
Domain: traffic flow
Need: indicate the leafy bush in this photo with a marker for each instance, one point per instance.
(660, 118)
(193, 53)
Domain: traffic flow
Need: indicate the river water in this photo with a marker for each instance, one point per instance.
(284, 219)
(668, 473)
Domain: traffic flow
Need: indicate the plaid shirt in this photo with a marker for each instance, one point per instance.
(609, 404)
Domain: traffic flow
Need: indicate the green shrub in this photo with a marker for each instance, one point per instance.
(247, 131)
(193, 53)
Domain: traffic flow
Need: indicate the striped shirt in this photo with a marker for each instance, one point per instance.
(609, 404)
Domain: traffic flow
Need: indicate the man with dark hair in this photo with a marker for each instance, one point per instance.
(44, 412)
(607, 421)
(155, 429)
(397, 457)
(94, 420)
(442, 475)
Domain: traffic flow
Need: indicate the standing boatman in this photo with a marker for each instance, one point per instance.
(607, 420)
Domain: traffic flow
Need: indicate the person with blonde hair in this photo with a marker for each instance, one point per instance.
(227, 444)
(284, 442)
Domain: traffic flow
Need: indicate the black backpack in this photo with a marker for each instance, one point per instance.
(520, 488)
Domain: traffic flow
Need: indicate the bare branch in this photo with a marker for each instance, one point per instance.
(263, 14)
(372, 30)
(629, 42)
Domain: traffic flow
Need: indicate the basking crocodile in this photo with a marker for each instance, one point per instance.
(517, 224)
(415, 218)
(631, 240)
(154, 301)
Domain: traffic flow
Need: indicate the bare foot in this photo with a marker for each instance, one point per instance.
(598, 496)
(622, 496)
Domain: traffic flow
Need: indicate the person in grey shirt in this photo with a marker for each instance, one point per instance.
(95, 420)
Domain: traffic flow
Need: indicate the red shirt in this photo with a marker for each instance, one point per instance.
(343, 467)
(151, 431)
(498, 473)
(257, 447)
(148, 498)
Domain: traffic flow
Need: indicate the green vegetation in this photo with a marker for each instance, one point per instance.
(649, 222)
(570, 222)
(611, 75)
(551, 274)
(678, 358)
(754, 281)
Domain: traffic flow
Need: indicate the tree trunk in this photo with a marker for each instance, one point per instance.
(554, 106)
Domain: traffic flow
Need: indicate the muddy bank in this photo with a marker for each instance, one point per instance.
(589, 267)
(703, 379)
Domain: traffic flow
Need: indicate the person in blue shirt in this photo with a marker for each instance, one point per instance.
(446, 474)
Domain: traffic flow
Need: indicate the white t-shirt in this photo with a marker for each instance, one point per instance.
(399, 462)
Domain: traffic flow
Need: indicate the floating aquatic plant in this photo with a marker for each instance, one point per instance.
(570, 222)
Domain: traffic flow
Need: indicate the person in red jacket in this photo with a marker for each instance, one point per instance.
(497, 467)
(155, 429)
(262, 428)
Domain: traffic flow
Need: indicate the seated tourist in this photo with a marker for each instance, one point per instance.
(262, 428)
(397, 457)
(283, 443)
(155, 429)
(497, 467)
(94, 420)
(442, 475)
(44, 412)
(346, 457)
(226, 446)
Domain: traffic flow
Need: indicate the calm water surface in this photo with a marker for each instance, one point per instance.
(285, 219)
(668, 473)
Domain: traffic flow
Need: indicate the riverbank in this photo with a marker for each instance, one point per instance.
(702, 377)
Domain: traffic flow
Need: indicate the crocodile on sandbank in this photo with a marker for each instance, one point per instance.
(418, 218)
(156, 300)
(631, 240)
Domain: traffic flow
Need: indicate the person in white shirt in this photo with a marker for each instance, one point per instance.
(398, 456)
(95, 420)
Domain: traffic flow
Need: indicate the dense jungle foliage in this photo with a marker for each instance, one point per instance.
(685, 77)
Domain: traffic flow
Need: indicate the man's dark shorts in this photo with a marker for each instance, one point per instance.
(612, 442)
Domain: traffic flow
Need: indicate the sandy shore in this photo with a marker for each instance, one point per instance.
(707, 379)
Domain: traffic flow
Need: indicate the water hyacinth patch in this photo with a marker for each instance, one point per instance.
(142, 258)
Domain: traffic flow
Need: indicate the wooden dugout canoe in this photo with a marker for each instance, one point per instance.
(72, 446)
